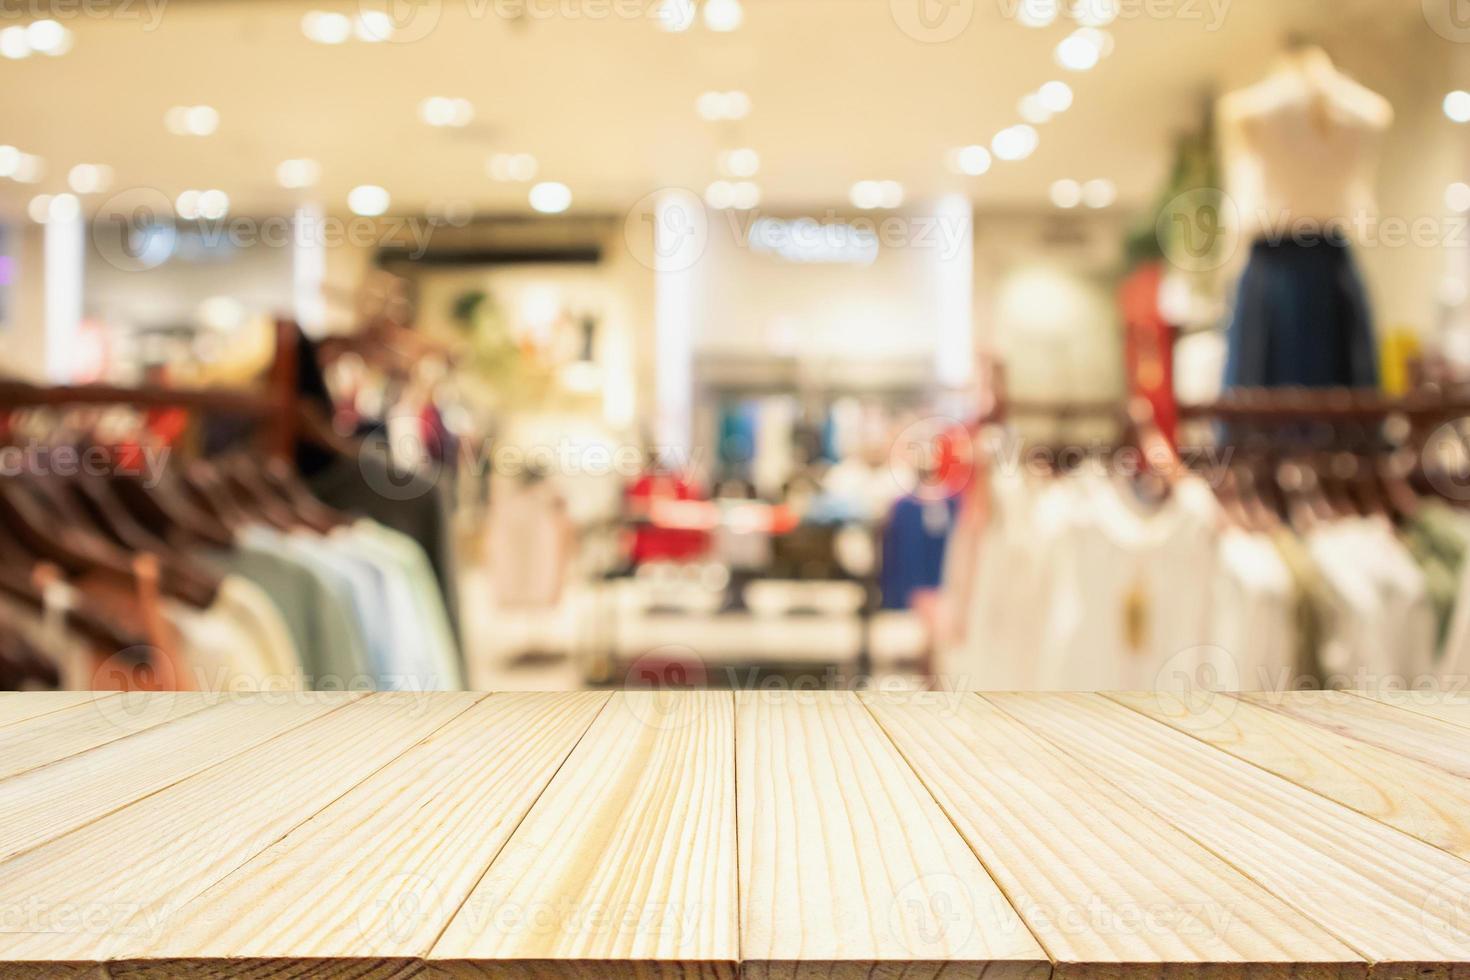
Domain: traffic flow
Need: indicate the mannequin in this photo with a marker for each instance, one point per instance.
(1301, 156)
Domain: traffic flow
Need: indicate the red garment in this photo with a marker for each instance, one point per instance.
(1148, 345)
(654, 543)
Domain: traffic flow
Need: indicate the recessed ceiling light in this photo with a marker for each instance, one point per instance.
(743, 162)
(326, 27)
(715, 106)
(1457, 196)
(28, 169)
(373, 26)
(972, 161)
(747, 195)
(89, 178)
(191, 120)
(1077, 53)
(723, 15)
(440, 110)
(39, 208)
(1037, 13)
(871, 194)
(1066, 193)
(675, 16)
(48, 37)
(1099, 193)
(15, 45)
(1056, 96)
(720, 195)
(298, 173)
(1015, 142)
(551, 197)
(368, 200)
(1033, 110)
(1457, 106)
(9, 160)
(519, 167)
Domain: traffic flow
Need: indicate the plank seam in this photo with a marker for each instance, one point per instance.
(1054, 962)
(426, 960)
(1410, 710)
(1308, 915)
(101, 695)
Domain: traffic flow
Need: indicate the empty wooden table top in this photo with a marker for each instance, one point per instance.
(718, 834)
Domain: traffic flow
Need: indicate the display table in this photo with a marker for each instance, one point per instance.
(710, 834)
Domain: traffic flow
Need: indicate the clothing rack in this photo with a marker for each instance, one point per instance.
(276, 405)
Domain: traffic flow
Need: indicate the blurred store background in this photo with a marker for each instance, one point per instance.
(535, 344)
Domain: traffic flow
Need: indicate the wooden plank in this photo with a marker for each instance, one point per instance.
(1389, 896)
(114, 884)
(17, 706)
(87, 724)
(45, 803)
(371, 881)
(848, 867)
(1109, 889)
(1403, 732)
(1444, 706)
(1417, 798)
(625, 867)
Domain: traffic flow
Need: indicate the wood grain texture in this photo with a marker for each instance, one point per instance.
(112, 886)
(1417, 798)
(1452, 708)
(848, 867)
(627, 861)
(1104, 885)
(87, 724)
(53, 800)
(1397, 730)
(1393, 898)
(375, 876)
(17, 706)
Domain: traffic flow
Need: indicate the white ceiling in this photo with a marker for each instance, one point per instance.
(607, 105)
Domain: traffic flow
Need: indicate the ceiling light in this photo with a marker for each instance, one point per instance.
(298, 173)
(1457, 196)
(1099, 193)
(520, 167)
(1100, 39)
(368, 200)
(971, 161)
(1077, 53)
(14, 44)
(326, 27)
(1056, 96)
(1033, 110)
(373, 26)
(747, 195)
(720, 195)
(186, 205)
(551, 197)
(39, 208)
(214, 204)
(675, 16)
(871, 194)
(28, 169)
(9, 160)
(1066, 193)
(743, 162)
(723, 15)
(48, 37)
(191, 120)
(1457, 106)
(1037, 13)
(1095, 13)
(439, 110)
(715, 106)
(89, 178)
(64, 207)
(1015, 142)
